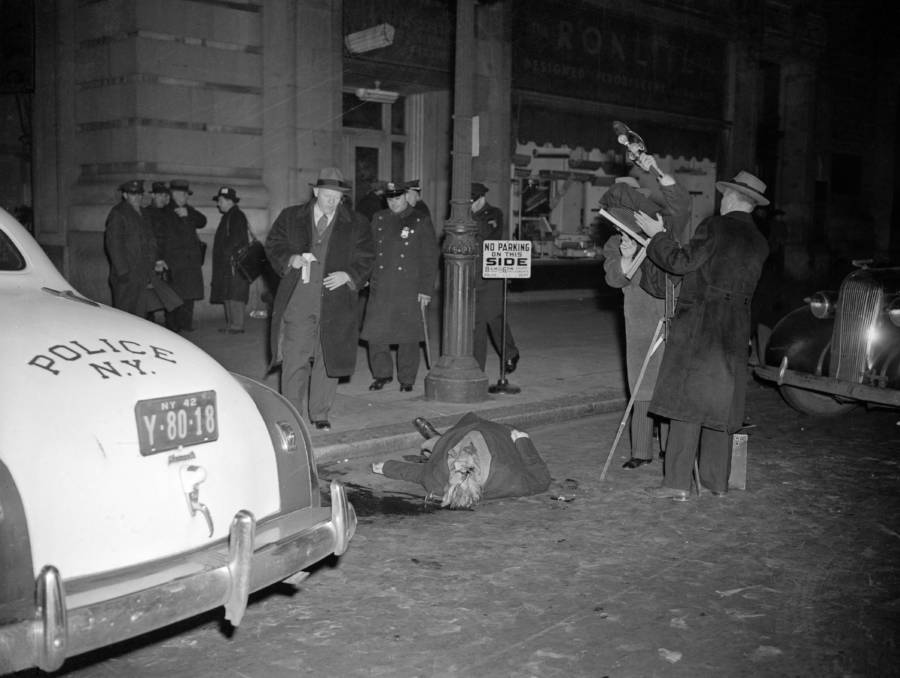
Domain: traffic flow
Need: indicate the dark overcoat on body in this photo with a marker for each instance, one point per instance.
(180, 248)
(228, 283)
(350, 249)
(406, 260)
(132, 251)
(703, 376)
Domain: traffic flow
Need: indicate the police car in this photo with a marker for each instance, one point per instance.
(140, 482)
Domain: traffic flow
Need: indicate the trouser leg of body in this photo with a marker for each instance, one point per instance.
(380, 361)
(715, 459)
(681, 451)
(322, 388)
(641, 430)
(407, 362)
(298, 347)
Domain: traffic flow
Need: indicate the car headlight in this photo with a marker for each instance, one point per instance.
(821, 304)
(893, 311)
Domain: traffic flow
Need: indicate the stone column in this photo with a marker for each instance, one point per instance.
(456, 377)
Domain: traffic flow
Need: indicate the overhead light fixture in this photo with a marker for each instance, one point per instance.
(376, 37)
(377, 95)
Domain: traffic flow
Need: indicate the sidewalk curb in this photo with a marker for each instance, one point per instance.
(393, 438)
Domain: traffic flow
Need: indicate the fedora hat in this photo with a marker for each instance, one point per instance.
(331, 177)
(414, 185)
(478, 190)
(394, 188)
(180, 185)
(159, 187)
(226, 192)
(747, 184)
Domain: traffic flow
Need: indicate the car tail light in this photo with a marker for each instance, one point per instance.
(821, 305)
(288, 436)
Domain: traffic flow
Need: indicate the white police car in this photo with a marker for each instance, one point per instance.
(140, 482)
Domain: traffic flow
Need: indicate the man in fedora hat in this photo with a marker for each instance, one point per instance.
(703, 376)
(182, 251)
(402, 285)
(323, 252)
(133, 254)
(228, 286)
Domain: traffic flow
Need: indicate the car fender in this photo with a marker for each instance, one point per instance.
(801, 338)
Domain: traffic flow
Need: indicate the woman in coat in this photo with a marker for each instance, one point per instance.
(229, 287)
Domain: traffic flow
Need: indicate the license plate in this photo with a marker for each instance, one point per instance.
(176, 421)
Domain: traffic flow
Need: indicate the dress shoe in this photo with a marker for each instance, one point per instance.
(634, 462)
(233, 330)
(512, 363)
(322, 424)
(663, 492)
(406, 387)
(379, 383)
(425, 428)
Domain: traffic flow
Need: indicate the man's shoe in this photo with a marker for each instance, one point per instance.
(512, 363)
(406, 387)
(634, 462)
(663, 492)
(425, 428)
(379, 383)
(322, 424)
(234, 330)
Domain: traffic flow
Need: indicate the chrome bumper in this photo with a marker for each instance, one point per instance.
(829, 385)
(227, 577)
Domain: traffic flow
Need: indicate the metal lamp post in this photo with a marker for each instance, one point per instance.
(457, 377)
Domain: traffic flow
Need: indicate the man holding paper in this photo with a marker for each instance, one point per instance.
(324, 254)
(645, 289)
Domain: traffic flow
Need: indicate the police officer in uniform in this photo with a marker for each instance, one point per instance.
(402, 283)
(489, 293)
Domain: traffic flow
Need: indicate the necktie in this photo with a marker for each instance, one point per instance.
(322, 223)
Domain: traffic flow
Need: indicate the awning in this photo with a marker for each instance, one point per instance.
(589, 126)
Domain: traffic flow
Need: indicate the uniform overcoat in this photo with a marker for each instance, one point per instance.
(489, 291)
(227, 283)
(406, 260)
(132, 250)
(703, 376)
(350, 249)
(180, 247)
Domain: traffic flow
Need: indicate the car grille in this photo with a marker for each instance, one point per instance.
(861, 299)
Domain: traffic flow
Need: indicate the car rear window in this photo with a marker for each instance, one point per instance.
(10, 257)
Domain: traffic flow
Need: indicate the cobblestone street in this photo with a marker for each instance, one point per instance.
(798, 576)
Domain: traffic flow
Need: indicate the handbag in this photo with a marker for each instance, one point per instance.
(249, 260)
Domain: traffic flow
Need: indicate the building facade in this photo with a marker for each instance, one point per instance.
(260, 94)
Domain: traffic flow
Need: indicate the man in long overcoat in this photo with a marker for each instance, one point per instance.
(229, 286)
(132, 251)
(703, 377)
(489, 292)
(182, 252)
(323, 252)
(406, 261)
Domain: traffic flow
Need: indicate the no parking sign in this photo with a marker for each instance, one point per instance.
(506, 259)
